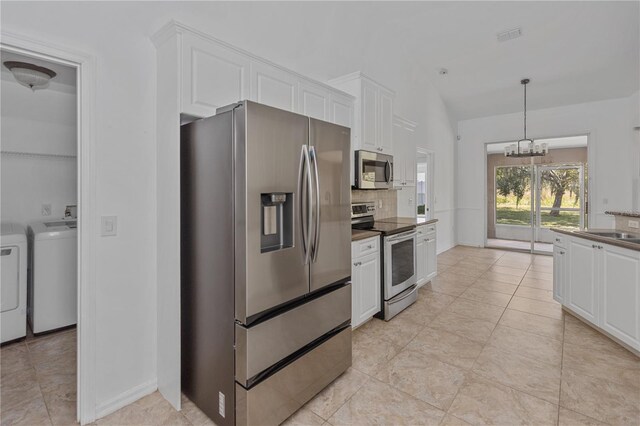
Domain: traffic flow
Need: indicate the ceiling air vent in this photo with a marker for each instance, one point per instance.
(510, 34)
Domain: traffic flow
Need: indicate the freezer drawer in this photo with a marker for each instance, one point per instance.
(273, 400)
(265, 344)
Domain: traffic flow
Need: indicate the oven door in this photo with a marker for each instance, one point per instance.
(399, 263)
(373, 171)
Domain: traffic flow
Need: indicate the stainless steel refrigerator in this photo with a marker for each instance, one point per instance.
(265, 261)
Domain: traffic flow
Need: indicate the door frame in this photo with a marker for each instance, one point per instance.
(85, 66)
(591, 188)
(430, 185)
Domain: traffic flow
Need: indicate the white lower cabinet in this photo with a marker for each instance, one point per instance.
(365, 280)
(426, 255)
(582, 294)
(620, 304)
(601, 284)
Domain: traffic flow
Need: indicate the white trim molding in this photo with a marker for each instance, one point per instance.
(125, 398)
(87, 231)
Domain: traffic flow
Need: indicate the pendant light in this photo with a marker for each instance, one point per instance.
(30, 75)
(530, 149)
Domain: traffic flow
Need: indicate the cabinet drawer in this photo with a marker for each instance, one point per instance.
(365, 247)
(559, 240)
(427, 229)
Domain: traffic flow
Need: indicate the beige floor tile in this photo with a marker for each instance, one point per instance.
(433, 301)
(603, 365)
(513, 263)
(578, 333)
(537, 324)
(509, 270)
(452, 288)
(417, 313)
(399, 330)
(541, 284)
(447, 258)
(527, 344)
(542, 267)
(534, 377)
(488, 297)
(17, 387)
(337, 393)
(369, 353)
(28, 412)
(62, 405)
(470, 328)
(450, 420)
(481, 402)
(538, 307)
(476, 262)
(151, 410)
(571, 418)
(446, 347)
(54, 353)
(14, 357)
(304, 417)
(538, 275)
(496, 286)
(424, 377)
(503, 278)
(452, 276)
(381, 404)
(535, 293)
(443, 267)
(603, 400)
(461, 268)
(473, 309)
(193, 414)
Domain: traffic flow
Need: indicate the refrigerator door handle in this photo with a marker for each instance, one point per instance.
(316, 207)
(305, 216)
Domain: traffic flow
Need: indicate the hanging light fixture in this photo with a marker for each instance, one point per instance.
(529, 148)
(30, 75)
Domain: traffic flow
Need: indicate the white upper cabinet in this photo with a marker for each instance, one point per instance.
(212, 74)
(404, 158)
(372, 130)
(314, 100)
(274, 87)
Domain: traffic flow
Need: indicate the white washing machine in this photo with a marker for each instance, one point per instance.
(53, 276)
(14, 282)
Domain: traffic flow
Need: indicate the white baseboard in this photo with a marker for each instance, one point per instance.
(126, 398)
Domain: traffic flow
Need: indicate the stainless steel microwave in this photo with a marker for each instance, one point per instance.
(373, 170)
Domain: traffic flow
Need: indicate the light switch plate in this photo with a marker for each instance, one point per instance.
(109, 226)
(46, 210)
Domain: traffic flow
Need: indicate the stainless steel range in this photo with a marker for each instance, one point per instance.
(399, 270)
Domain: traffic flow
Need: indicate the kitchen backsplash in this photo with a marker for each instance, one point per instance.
(387, 196)
(622, 221)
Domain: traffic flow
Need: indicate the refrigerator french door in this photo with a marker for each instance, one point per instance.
(266, 255)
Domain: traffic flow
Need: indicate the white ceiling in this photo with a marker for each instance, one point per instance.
(573, 52)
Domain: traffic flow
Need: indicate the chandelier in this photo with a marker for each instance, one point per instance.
(529, 148)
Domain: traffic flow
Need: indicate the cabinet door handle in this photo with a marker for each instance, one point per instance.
(557, 240)
(561, 252)
(594, 246)
(600, 247)
(370, 246)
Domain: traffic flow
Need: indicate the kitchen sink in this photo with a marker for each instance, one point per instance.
(612, 234)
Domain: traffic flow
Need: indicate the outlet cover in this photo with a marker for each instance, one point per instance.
(46, 210)
(109, 226)
(634, 224)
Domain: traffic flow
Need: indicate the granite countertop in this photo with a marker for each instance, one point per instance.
(628, 213)
(408, 220)
(361, 234)
(606, 240)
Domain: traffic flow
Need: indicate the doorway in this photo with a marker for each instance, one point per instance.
(527, 197)
(72, 396)
(424, 184)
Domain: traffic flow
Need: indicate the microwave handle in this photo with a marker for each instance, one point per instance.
(387, 172)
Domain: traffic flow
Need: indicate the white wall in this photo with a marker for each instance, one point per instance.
(611, 167)
(42, 122)
(117, 34)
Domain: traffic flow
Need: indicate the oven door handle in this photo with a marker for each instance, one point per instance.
(397, 299)
(403, 236)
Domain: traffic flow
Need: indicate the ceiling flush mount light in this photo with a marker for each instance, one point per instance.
(529, 148)
(32, 76)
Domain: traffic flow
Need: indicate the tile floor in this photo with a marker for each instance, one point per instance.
(484, 344)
